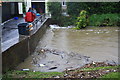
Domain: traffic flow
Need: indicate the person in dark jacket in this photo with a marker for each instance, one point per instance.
(30, 9)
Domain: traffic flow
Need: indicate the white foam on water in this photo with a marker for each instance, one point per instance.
(56, 27)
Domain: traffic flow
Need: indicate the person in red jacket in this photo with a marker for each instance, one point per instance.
(30, 16)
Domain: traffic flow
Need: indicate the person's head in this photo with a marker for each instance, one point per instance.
(33, 8)
(30, 8)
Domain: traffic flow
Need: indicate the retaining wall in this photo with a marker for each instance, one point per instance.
(20, 51)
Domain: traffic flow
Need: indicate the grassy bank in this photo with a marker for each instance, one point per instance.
(112, 75)
(97, 70)
(31, 74)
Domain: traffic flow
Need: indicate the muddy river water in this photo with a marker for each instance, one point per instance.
(63, 48)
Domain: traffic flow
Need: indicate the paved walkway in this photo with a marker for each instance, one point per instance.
(10, 35)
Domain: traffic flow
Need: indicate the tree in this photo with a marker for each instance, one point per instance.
(55, 9)
(93, 7)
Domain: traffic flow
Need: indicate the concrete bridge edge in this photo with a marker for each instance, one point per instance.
(20, 51)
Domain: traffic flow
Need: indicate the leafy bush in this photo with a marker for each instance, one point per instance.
(81, 20)
(104, 20)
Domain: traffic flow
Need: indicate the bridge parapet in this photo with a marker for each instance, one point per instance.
(10, 35)
(17, 53)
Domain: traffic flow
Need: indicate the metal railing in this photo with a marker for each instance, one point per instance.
(35, 24)
(2, 24)
(48, 15)
(40, 19)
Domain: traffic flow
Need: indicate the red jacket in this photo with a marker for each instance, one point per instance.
(29, 17)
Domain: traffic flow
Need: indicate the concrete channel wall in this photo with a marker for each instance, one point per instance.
(20, 51)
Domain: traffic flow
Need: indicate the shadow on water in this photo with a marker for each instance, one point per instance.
(62, 49)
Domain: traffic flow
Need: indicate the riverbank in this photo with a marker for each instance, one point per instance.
(67, 49)
(63, 49)
(94, 70)
(91, 70)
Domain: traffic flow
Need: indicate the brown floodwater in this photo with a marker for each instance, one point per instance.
(99, 43)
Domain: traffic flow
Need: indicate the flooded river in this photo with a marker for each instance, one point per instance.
(63, 48)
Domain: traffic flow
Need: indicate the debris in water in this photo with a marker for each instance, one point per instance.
(57, 77)
(41, 65)
(56, 27)
(107, 32)
(52, 68)
(107, 70)
(98, 32)
(110, 62)
(42, 50)
(89, 30)
(55, 53)
(62, 56)
(83, 30)
(34, 61)
(116, 30)
(65, 75)
(50, 61)
(114, 70)
(25, 69)
(93, 63)
(68, 69)
(70, 27)
(67, 62)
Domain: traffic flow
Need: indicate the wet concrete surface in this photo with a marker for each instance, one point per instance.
(62, 49)
(10, 35)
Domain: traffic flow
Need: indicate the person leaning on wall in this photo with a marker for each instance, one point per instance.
(30, 15)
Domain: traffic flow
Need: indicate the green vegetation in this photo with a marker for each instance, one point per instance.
(55, 10)
(104, 20)
(99, 13)
(112, 75)
(81, 20)
(24, 8)
(93, 7)
(97, 72)
(67, 21)
(98, 68)
(31, 74)
(37, 74)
